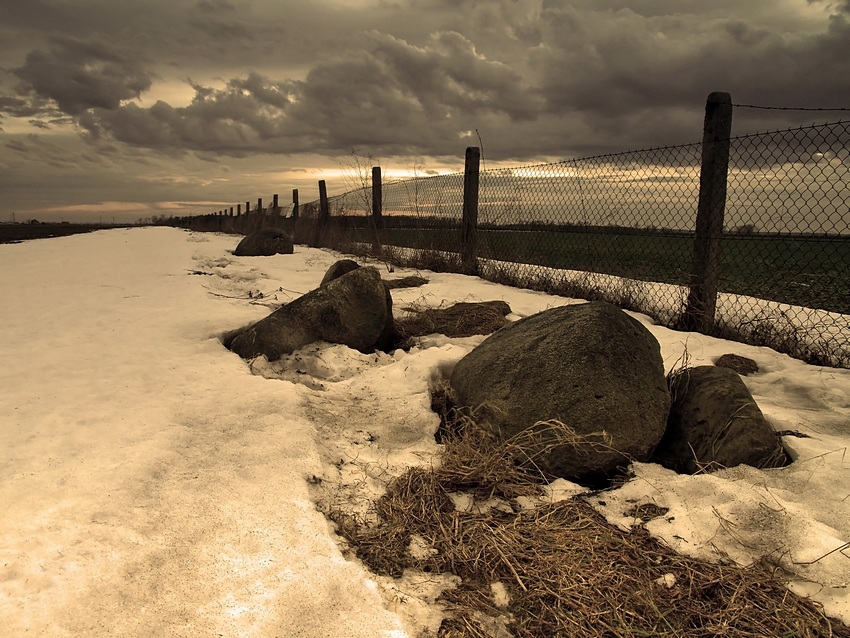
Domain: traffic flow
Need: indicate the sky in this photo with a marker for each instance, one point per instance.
(170, 107)
(153, 483)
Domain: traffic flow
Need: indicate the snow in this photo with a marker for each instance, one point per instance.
(154, 483)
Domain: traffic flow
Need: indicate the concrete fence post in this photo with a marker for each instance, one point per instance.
(705, 274)
(469, 227)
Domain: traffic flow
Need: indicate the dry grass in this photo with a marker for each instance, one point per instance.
(405, 282)
(458, 320)
(567, 571)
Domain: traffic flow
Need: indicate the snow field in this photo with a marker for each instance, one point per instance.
(156, 484)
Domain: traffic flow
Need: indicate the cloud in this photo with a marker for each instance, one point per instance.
(19, 107)
(243, 117)
(82, 74)
(385, 97)
(449, 72)
(537, 78)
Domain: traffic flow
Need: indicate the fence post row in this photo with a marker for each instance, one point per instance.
(705, 274)
(469, 227)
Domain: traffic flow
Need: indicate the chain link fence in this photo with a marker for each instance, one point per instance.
(620, 228)
(785, 270)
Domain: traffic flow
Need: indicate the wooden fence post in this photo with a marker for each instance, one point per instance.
(275, 206)
(294, 203)
(705, 273)
(324, 216)
(377, 209)
(469, 228)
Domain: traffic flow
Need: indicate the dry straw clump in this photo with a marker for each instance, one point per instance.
(458, 320)
(566, 571)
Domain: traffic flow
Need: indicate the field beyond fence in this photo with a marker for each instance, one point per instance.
(743, 237)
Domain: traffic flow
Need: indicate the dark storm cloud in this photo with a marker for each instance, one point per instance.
(245, 116)
(623, 62)
(19, 107)
(539, 77)
(384, 97)
(450, 73)
(79, 75)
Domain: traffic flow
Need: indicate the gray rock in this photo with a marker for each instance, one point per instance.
(264, 243)
(715, 422)
(388, 339)
(742, 365)
(353, 310)
(591, 367)
(338, 269)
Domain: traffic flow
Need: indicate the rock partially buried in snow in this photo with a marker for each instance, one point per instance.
(591, 367)
(265, 243)
(338, 269)
(353, 310)
(742, 365)
(715, 422)
(388, 339)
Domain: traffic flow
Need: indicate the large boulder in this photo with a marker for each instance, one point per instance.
(353, 310)
(264, 243)
(388, 339)
(715, 422)
(591, 367)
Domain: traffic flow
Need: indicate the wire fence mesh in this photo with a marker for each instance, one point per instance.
(786, 253)
(620, 228)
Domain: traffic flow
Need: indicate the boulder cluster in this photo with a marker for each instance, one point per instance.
(581, 387)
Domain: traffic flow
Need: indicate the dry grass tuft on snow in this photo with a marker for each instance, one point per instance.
(412, 281)
(458, 320)
(532, 568)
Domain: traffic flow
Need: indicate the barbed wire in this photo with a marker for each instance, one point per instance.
(801, 129)
(787, 108)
